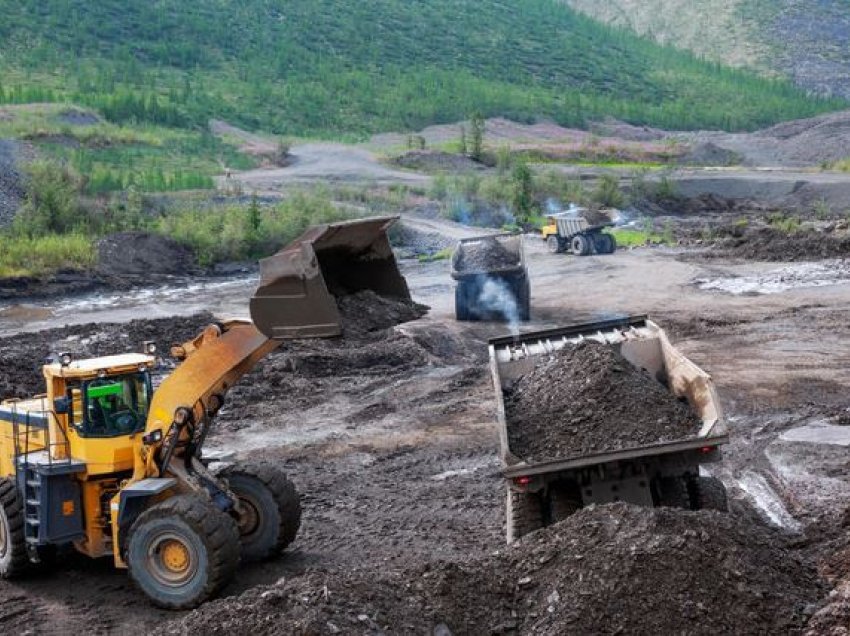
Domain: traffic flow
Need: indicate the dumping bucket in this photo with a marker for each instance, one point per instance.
(299, 285)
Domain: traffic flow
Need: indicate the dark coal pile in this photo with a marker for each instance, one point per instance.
(12, 187)
(143, 254)
(484, 255)
(22, 356)
(365, 311)
(770, 244)
(589, 399)
(605, 570)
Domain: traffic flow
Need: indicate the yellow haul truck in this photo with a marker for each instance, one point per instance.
(103, 462)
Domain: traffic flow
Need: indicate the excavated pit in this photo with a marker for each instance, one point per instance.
(589, 399)
(605, 570)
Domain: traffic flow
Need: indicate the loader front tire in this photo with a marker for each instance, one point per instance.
(271, 509)
(13, 547)
(182, 551)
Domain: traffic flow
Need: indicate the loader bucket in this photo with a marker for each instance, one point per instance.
(299, 285)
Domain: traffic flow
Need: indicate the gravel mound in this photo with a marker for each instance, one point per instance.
(12, 189)
(484, 255)
(434, 161)
(589, 399)
(143, 254)
(605, 570)
(770, 244)
(22, 356)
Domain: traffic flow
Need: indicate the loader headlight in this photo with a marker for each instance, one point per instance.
(153, 437)
(149, 347)
(65, 359)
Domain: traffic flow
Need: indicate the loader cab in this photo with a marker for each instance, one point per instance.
(110, 406)
(101, 405)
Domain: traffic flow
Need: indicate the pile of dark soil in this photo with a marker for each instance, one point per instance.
(589, 399)
(605, 570)
(409, 242)
(365, 311)
(143, 254)
(22, 356)
(484, 255)
(771, 244)
(435, 161)
(12, 188)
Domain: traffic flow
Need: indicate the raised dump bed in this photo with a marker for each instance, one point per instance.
(492, 278)
(661, 421)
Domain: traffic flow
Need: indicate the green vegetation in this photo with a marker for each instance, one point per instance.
(37, 256)
(441, 255)
(240, 232)
(784, 223)
(332, 67)
(627, 237)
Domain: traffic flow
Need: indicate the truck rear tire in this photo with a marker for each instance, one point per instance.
(605, 243)
(523, 299)
(13, 546)
(182, 551)
(711, 494)
(524, 514)
(461, 306)
(271, 508)
(672, 492)
(563, 502)
(580, 245)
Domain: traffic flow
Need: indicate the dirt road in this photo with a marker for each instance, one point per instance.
(323, 162)
(394, 447)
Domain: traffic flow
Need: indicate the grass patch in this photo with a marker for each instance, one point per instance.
(442, 255)
(640, 238)
(39, 256)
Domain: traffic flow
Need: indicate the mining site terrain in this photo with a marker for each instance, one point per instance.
(390, 438)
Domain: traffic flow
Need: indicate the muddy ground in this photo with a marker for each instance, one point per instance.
(392, 444)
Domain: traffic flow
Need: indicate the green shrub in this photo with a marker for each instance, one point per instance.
(42, 255)
(607, 192)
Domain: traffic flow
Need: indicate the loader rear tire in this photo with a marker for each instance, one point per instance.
(13, 546)
(524, 514)
(271, 508)
(182, 551)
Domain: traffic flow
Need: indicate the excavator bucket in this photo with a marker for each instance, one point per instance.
(299, 285)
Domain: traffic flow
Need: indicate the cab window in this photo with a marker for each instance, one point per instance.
(112, 406)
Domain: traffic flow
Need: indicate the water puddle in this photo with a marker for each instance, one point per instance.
(799, 276)
(767, 500)
(818, 433)
(225, 297)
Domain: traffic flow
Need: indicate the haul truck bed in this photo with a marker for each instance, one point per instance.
(663, 473)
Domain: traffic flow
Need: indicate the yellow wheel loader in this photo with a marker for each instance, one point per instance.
(107, 464)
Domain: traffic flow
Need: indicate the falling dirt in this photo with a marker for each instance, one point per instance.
(366, 311)
(589, 399)
(605, 570)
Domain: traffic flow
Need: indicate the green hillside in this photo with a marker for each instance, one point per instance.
(347, 67)
(804, 40)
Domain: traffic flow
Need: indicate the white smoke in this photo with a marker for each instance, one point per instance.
(496, 298)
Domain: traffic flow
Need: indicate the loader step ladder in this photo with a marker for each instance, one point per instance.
(40, 475)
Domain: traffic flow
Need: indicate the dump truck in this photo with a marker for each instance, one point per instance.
(105, 464)
(666, 473)
(492, 278)
(572, 232)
